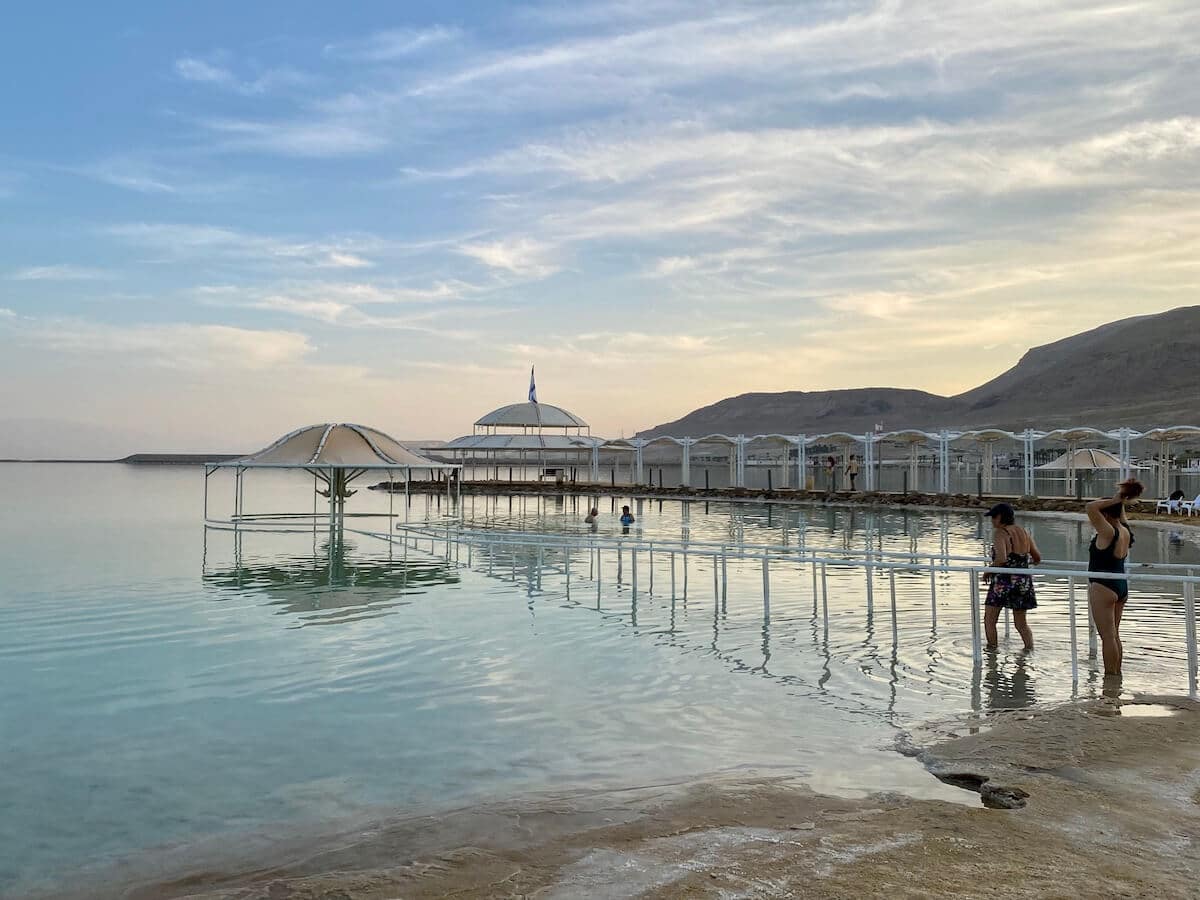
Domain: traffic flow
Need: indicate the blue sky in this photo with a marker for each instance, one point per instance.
(221, 221)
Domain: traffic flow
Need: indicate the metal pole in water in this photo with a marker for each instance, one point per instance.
(870, 572)
(633, 568)
(672, 574)
(825, 598)
(1189, 611)
(766, 588)
(716, 586)
(976, 643)
(1092, 632)
(652, 560)
(724, 577)
(1007, 623)
(1074, 646)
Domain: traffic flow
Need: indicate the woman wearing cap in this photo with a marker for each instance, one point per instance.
(1107, 553)
(1012, 548)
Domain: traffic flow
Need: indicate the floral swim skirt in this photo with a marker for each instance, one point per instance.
(1012, 592)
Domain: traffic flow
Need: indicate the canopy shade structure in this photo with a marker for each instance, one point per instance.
(530, 415)
(498, 442)
(1084, 459)
(335, 446)
(334, 455)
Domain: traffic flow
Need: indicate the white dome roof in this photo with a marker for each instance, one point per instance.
(532, 415)
(337, 445)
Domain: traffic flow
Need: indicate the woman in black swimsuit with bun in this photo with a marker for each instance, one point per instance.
(1107, 553)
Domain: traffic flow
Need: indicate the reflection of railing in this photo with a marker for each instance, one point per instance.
(819, 560)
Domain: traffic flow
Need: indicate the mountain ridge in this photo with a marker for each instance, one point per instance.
(1154, 361)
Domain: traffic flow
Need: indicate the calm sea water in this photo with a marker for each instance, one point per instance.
(163, 684)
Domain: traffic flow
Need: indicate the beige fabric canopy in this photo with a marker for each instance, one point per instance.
(331, 445)
(1085, 459)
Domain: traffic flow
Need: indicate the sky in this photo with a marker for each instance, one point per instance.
(222, 221)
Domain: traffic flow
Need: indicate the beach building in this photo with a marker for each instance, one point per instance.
(555, 441)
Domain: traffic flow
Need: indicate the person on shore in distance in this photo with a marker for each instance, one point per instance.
(831, 473)
(852, 471)
(1012, 548)
(626, 517)
(1107, 553)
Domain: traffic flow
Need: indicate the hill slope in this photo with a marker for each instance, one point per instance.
(1152, 366)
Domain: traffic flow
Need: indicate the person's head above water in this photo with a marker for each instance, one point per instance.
(1002, 514)
(624, 509)
(593, 511)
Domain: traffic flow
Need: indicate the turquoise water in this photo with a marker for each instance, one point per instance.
(162, 684)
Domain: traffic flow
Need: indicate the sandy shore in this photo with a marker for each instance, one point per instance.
(1113, 810)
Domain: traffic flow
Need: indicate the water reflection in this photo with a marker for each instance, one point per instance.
(1007, 682)
(332, 578)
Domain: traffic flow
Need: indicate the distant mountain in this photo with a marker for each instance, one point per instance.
(1140, 372)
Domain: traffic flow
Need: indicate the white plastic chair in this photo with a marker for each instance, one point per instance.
(1191, 508)
(1171, 506)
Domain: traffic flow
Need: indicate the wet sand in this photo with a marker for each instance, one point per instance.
(1112, 810)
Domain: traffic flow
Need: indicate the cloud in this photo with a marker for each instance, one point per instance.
(520, 256)
(60, 272)
(213, 243)
(320, 137)
(393, 44)
(199, 71)
(173, 346)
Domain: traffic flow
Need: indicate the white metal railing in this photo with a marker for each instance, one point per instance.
(820, 559)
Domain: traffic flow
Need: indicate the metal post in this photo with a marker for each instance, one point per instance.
(1074, 646)
(672, 574)
(766, 585)
(1189, 612)
(825, 599)
(976, 642)
(1093, 632)
(633, 568)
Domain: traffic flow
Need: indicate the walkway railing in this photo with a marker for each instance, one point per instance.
(453, 539)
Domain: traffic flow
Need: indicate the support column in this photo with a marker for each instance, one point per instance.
(801, 462)
(741, 460)
(685, 476)
(638, 444)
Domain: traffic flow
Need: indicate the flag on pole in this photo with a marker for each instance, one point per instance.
(532, 387)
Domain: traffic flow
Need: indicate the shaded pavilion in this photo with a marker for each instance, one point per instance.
(335, 454)
(525, 434)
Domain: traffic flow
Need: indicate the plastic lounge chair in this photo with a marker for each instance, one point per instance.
(1171, 506)
(1192, 508)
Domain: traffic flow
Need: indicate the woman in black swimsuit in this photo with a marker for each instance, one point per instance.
(1107, 553)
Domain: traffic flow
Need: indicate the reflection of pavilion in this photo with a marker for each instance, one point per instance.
(328, 578)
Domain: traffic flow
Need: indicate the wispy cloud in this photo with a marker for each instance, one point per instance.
(520, 256)
(175, 346)
(60, 272)
(206, 72)
(393, 44)
(173, 240)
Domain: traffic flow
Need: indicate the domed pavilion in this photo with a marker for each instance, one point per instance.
(527, 434)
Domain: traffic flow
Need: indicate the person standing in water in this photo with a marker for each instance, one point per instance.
(1012, 548)
(626, 516)
(1107, 553)
(852, 471)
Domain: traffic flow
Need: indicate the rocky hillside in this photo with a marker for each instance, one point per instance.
(1152, 366)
